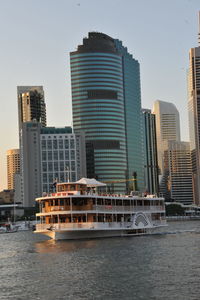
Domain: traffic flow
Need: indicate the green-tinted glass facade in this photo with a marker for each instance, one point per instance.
(132, 107)
(105, 80)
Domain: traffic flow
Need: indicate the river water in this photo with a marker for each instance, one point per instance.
(165, 266)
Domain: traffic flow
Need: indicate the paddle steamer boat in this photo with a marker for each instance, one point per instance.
(77, 211)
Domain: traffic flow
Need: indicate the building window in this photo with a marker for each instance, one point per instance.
(55, 166)
(66, 155)
(45, 188)
(50, 167)
(51, 178)
(72, 155)
(72, 144)
(55, 155)
(61, 155)
(44, 178)
(61, 144)
(44, 156)
(73, 165)
(62, 166)
(66, 144)
(55, 144)
(62, 178)
(43, 145)
(49, 144)
(102, 94)
(49, 155)
(44, 167)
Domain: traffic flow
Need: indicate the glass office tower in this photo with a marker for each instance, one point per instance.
(106, 106)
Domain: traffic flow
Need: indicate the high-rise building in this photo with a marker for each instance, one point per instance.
(150, 152)
(106, 105)
(63, 156)
(194, 117)
(13, 166)
(31, 104)
(49, 154)
(31, 107)
(177, 164)
(167, 127)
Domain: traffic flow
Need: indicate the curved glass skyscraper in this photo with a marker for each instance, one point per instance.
(101, 88)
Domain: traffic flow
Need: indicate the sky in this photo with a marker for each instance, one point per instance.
(36, 37)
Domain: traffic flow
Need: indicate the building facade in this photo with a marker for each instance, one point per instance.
(178, 166)
(49, 154)
(30, 162)
(63, 156)
(150, 152)
(31, 105)
(106, 106)
(13, 166)
(194, 118)
(167, 127)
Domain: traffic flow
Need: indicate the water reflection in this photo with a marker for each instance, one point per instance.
(52, 246)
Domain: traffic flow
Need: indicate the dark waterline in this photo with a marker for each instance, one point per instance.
(147, 267)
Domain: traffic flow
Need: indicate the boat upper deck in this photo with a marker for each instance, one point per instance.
(77, 190)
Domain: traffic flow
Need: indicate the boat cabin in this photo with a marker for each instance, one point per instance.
(72, 188)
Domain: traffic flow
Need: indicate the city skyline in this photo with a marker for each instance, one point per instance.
(38, 54)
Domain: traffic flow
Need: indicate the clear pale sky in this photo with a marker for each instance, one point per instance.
(36, 37)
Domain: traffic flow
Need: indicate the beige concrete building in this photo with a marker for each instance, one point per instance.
(178, 172)
(194, 117)
(13, 166)
(167, 127)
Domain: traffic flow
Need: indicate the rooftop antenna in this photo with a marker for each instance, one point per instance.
(199, 30)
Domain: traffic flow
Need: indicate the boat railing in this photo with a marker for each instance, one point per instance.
(107, 208)
(127, 208)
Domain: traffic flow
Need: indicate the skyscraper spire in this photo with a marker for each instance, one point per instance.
(199, 30)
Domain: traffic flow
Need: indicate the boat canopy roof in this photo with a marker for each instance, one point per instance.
(91, 182)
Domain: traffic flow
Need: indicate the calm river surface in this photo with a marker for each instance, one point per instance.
(147, 267)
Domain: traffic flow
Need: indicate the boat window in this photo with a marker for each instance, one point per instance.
(119, 202)
(72, 188)
(67, 202)
(126, 202)
(99, 201)
(107, 201)
(61, 202)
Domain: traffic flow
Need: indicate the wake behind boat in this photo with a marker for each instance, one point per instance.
(76, 210)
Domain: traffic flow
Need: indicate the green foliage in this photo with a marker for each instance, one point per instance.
(174, 210)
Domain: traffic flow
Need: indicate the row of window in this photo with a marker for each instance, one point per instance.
(56, 166)
(55, 144)
(61, 177)
(58, 155)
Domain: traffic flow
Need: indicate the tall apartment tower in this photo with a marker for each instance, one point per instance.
(194, 116)
(177, 162)
(106, 105)
(150, 152)
(31, 107)
(31, 104)
(13, 166)
(167, 127)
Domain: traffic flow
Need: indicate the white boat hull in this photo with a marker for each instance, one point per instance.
(90, 234)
